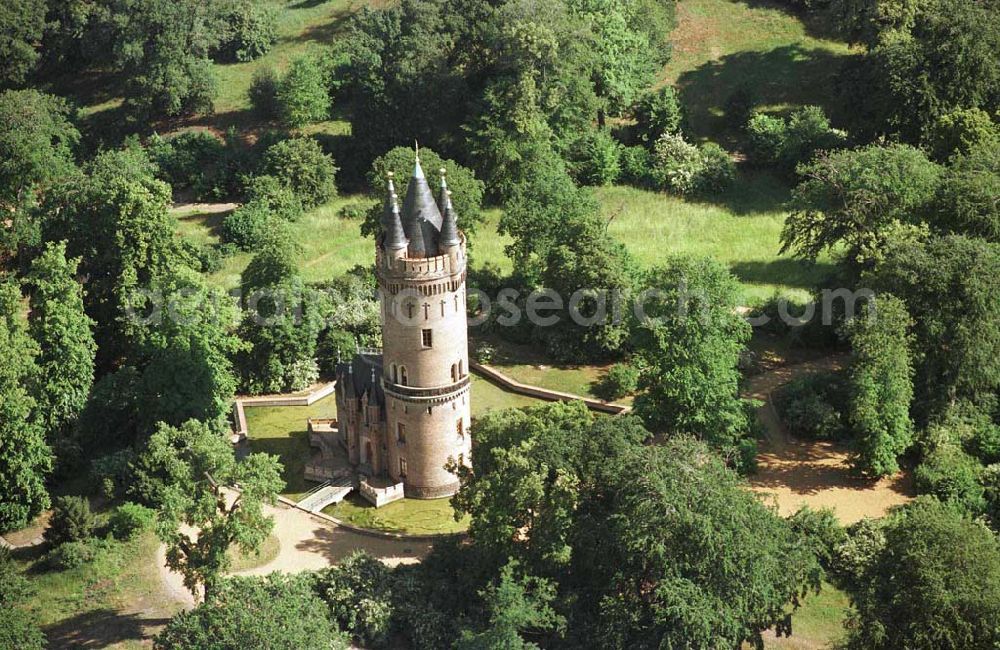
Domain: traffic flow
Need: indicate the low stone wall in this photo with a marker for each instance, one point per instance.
(291, 400)
(380, 496)
(515, 386)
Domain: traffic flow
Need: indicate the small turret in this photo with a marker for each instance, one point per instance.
(449, 225)
(392, 224)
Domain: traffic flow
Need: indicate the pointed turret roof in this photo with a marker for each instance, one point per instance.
(449, 223)
(421, 217)
(392, 224)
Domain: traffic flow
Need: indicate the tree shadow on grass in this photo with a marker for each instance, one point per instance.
(294, 451)
(818, 23)
(786, 271)
(101, 628)
(790, 75)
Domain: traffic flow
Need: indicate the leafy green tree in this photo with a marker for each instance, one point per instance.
(116, 220)
(466, 189)
(952, 475)
(17, 625)
(934, 584)
(517, 604)
(277, 611)
(184, 471)
(950, 286)
(72, 520)
(301, 164)
(960, 131)
(164, 45)
(850, 198)
(881, 385)
(251, 29)
(677, 553)
(358, 591)
(658, 112)
(62, 330)
(37, 140)
(626, 55)
(966, 199)
(595, 158)
(691, 344)
(25, 459)
(21, 25)
(301, 94)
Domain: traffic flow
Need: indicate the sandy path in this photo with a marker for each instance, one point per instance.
(797, 472)
(308, 543)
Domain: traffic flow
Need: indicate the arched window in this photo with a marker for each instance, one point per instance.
(461, 369)
(395, 374)
(454, 372)
(402, 376)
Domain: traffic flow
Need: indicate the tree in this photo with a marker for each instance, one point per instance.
(37, 140)
(358, 591)
(302, 94)
(251, 29)
(966, 198)
(960, 131)
(17, 626)
(517, 604)
(934, 584)
(163, 45)
(676, 553)
(184, 471)
(277, 611)
(658, 112)
(116, 221)
(950, 285)
(881, 385)
(301, 164)
(849, 198)
(62, 330)
(25, 459)
(72, 520)
(691, 344)
(21, 26)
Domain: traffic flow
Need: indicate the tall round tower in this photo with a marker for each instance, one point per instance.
(421, 269)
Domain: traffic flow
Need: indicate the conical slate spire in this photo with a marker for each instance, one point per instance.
(449, 225)
(421, 217)
(392, 224)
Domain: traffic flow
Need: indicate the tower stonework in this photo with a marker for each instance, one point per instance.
(423, 385)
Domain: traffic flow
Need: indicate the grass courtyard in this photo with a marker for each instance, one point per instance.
(406, 516)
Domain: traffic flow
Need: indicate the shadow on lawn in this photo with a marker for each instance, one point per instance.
(786, 271)
(101, 628)
(790, 75)
(818, 24)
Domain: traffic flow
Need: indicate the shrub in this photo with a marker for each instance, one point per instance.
(595, 158)
(953, 476)
(485, 353)
(263, 93)
(636, 166)
(657, 113)
(248, 226)
(808, 132)
(301, 95)
(353, 212)
(71, 520)
(766, 137)
(72, 555)
(111, 474)
(301, 164)
(130, 519)
(717, 169)
(677, 164)
(812, 406)
(821, 530)
(850, 559)
(960, 131)
(192, 160)
(359, 593)
(620, 380)
(277, 197)
(251, 30)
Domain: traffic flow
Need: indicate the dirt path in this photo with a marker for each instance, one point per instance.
(308, 543)
(815, 473)
(203, 208)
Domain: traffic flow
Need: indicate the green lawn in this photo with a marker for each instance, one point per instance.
(113, 602)
(408, 516)
(281, 430)
(720, 44)
(820, 620)
(241, 561)
(487, 396)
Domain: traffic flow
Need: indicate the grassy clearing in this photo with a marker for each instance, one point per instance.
(116, 601)
(282, 431)
(719, 45)
(487, 396)
(241, 561)
(819, 622)
(407, 516)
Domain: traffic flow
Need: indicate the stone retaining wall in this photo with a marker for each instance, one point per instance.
(514, 386)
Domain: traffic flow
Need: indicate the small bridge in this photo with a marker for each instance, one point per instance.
(332, 491)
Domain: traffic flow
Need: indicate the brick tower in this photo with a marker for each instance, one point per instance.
(420, 262)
